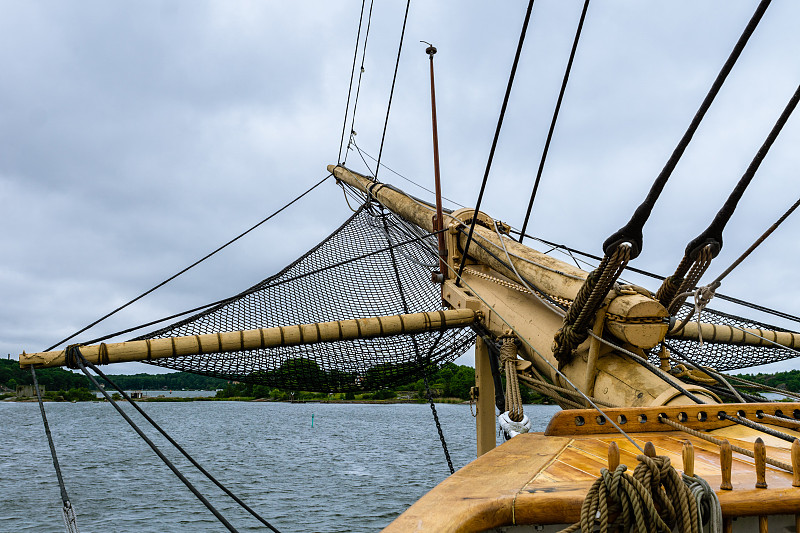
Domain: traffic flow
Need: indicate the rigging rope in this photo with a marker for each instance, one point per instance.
(708, 438)
(78, 357)
(632, 231)
(67, 511)
(177, 446)
(123, 306)
(391, 92)
(358, 86)
(555, 118)
(350, 84)
(703, 295)
(628, 239)
(706, 246)
(509, 85)
(737, 301)
(546, 361)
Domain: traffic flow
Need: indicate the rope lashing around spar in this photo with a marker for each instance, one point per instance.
(588, 300)
(655, 498)
(674, 289)
(513, 421)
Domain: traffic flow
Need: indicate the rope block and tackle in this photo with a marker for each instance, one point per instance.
(583, 309)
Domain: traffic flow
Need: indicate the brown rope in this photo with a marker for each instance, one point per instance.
(508, 357)
(588, 300)
(718, 442)
(654, 498)
(698, 268)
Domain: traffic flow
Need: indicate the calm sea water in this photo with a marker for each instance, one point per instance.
(355, 470)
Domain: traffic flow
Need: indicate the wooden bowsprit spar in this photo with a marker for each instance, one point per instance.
(236, 341)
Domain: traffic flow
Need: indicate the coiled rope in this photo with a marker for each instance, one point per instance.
(508, 358)
(654, 498)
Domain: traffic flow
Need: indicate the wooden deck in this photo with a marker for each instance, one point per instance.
(542, 479)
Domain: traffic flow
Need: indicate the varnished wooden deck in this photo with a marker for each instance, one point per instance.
(543, 479)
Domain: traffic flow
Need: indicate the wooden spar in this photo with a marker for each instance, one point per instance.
(745, 336)
(234, 341)
(634, 318)
(552, 276)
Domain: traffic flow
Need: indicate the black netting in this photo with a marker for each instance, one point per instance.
(722, 356)
(374, 264)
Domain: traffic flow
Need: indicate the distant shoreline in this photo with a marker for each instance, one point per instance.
(156, 399)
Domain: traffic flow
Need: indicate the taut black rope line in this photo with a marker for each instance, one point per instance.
(172, 441)
(391, 91)
(713, 234)
(350, 85)
(360, 74)
(652, 275)
(509, 85)
(67, 511)
(120, 308)
(555, 118)
(711, 238)
(80, 362)
(632, 231)
(258, 287)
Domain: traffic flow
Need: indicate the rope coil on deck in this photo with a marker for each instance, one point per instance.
(655, 498)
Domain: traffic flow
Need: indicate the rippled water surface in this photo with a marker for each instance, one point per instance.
(357, 469)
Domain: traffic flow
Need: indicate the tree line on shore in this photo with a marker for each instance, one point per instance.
(449, 381)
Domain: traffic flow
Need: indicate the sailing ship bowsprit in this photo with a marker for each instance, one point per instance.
(652, 435)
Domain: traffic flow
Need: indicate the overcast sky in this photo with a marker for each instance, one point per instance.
(137, 136)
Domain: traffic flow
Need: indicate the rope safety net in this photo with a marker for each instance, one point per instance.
(723, 356)
(374, 264)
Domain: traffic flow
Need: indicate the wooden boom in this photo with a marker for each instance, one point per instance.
(742, 336)
(252, 339)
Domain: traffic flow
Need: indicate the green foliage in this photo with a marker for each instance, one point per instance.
(72, 395)
(171, 381)
(54, 379)
(782, 380)
(12, 375)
